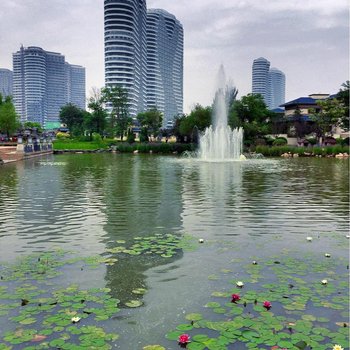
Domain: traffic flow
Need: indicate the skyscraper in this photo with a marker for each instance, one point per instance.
(6, 82)
(144, 55)
(277, 88)
(261, 68)
(125, 49)
(40, 85)
(164, 64)
(75, 85)
(270, 83)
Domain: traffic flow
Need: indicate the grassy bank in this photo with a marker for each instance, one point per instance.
(122, 147)
(277, 151)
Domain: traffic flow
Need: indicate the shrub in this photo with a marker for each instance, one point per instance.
(312, 140)
(96, 137)
(280, 141)
(62, 135)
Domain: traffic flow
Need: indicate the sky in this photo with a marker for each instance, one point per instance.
(308, 40)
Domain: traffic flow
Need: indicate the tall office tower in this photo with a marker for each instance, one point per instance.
(39, 84)
(125, 49)
(260, 84)
(164, 64)
(277, 88)
(75, 85)
(6, 82)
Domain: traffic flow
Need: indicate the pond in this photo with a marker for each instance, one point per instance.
(139, 249)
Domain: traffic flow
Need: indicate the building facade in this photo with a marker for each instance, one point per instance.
(125, 49)
(75, 85)
(164, 64)
(6, 82)
(276, 88)
(144, 55)
(40, 85)
(268, 82)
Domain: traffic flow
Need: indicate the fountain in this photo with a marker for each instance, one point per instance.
(219, 142)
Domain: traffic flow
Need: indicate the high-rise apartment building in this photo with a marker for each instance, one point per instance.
(270, 83)
(276, 89)
(75, 85)
(261, 67)
(144, 55)
(164, 64)
(125, 49)
(6, 82)
(40, 85)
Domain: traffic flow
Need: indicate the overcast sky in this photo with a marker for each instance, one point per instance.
(306, 39)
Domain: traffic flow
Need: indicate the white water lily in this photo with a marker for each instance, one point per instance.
(201, 240)
(240, 284)
(309, 239)
(327, 255)
(347, 236)
(324, 282)
(254, 262)
(75, 319)
(337, 347)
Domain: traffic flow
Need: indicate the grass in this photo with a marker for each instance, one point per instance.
(276, 151)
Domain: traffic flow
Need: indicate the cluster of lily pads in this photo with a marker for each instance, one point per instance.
(281, 304)
(165, 246)
(46, 316)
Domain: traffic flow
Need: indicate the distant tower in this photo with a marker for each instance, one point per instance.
(125, 49)
(40, 84)
(277, 88)
(6, 82)
(75, 85)
(261, 68)
(164, 64)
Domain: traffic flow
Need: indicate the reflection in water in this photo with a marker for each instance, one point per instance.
(86, 203)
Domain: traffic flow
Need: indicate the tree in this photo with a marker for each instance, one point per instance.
(119, 120)
(73, 117)
(9, 120)
(197, 120)
(151, 121)
(33, 125)
(343, 97)
(96, 120)
(329, 116)
(251, 113)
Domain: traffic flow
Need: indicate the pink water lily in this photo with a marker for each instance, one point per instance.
(267, 305)
(184, 339)
(235, 297)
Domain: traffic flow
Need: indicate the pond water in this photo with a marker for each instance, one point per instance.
(87, 204)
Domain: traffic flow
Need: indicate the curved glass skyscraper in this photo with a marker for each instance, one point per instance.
(270, 83)
(40, 84)
(261, 68)
(125, 49)
(277, 88)
(164, 64)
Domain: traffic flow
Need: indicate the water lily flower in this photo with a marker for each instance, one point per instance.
(324, 282)
(347, 236)
(235, 297)
(337, 347)
(75, 319)
(184, 339)
(254, 262)
(267, 305)
(201, 240)
(309, 239)
(239, 284)
(327, 255)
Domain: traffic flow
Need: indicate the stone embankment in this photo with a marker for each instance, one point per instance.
(9, 154)
(306, 154)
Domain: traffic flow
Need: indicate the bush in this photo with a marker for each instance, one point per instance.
(280, 141)
(312, 140)
(62, 135)
(96, 137)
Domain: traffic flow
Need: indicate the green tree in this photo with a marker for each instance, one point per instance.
(119, 120)
(251, 113)
(330, 114)
(197, 120)
(9, 120)
(343, 96)
(150, 121)
(96, 120)
(73, 117)
(33, 125)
